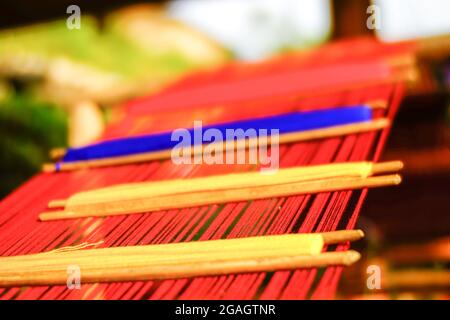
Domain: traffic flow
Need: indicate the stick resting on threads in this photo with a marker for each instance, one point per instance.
(295, 126)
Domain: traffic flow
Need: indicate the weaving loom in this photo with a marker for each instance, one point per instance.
(292, 83)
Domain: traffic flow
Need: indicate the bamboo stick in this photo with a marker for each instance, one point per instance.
(301, 243)
(340, 236)
(179, 260)
(195, 251)
(166, 154)
(57, 275)
(229, 181)
(335, 131)
(129, 204)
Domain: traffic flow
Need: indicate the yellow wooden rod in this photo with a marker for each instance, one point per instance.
(220, 182)
(335, 131)
(59, 203)
(49, 261)
(335, 237)
(387, 166)
(361, 169)
(129, 204)
(230, 181)
(166, 154)
(121, 270)
(303, 243)
(224, 253)
(289, 244)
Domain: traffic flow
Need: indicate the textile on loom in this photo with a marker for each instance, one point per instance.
(22, 233)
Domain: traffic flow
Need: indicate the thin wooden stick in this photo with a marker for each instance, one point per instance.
(129, 204)
(60, 203)
(122, 268)
(335, 131)
(340, 236)
(387, 166)
(230, 181)
(295, 244)
(166, 154)
(236, 248)
(57, 275)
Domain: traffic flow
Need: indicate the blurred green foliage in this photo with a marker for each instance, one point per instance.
(31, 126)
(104, 49)
(28, 130)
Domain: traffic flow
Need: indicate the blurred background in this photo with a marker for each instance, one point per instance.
(62, 82)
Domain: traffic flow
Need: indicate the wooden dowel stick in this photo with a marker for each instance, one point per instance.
(45, 261)
(388, 166)
(230, 181)
(225, 181)
(289, 244)
(57, 203)
(166, 154)
(121, 270)
(122, 160)
(129, 204)
(335, 237)
(335, 131)
(306, 243)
